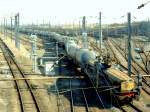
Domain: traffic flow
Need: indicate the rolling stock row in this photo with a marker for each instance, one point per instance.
(88, 62)
(124, 87)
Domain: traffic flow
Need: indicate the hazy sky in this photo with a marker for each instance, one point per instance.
(65, 11)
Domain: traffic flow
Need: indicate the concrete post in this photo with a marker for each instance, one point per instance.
(35, 63)
(11, 28)
(149, 29)
(79, 27)
(56, 49)
(84, 34)
(129, 44)
(97, 75)
(17, 40)
(4, 29)
(1, 27)
(16, 31)
(100, 32)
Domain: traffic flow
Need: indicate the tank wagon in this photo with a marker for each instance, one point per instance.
(126, 87)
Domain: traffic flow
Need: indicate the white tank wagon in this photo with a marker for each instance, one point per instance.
(85, 56)
(81, 55)
(71, 49)
(60, 39)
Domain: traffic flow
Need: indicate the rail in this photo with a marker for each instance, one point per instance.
(25, 103)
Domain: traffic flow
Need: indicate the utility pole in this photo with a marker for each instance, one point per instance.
(79, 27)
(1, 27)
(11, 27)
(32, 27)
(129, 44)
(49, 25)
(17, 40)
(107, 31)
(84, 34)
(148, 30)
(56, 49)
(4, 28)
(97, 74)
(100, 32)
(72, 28)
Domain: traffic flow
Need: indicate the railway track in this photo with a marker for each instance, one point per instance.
(78, 96)
(60, 105)
(27, 99)
(28, 102)
(105, 53)
(111, 53)
(135, 70)
(130, 108)
(135, 64)
(26, 40)
(77, 99)
(143, 56)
